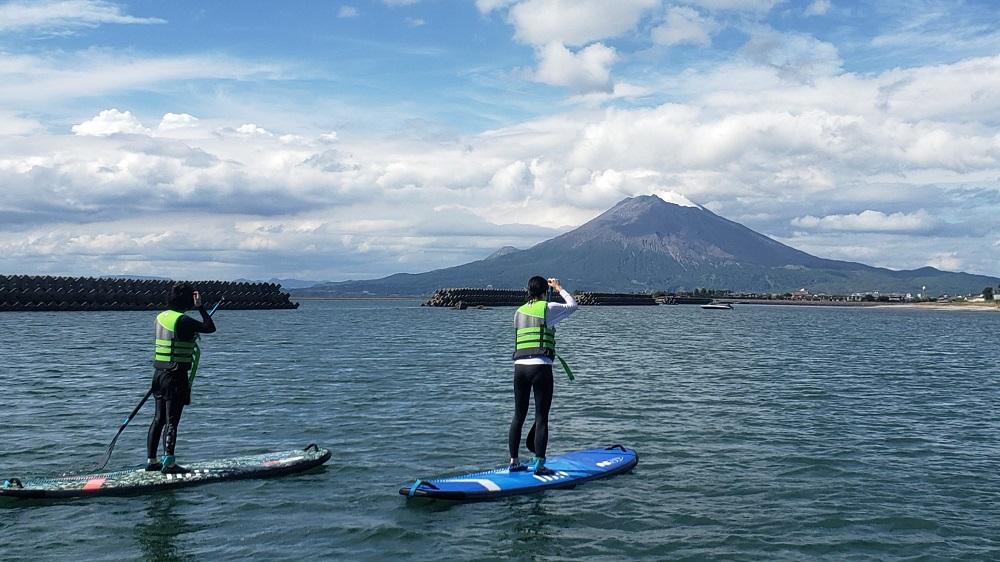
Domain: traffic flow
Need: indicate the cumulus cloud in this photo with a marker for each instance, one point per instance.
(111, 122)
(684, 25)
(348, 12)
(171, 121)
(793, 159)
(586, 70)
(818, 8)
(870, 221)
(252, 130)
(575, 22)
(58, 14)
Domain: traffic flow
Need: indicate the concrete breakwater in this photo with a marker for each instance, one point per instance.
(46, 293)
(468, 297)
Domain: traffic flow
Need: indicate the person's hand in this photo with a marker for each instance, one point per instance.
(197, 299)
(554, 283)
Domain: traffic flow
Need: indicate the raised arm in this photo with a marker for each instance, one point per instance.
(559, 311)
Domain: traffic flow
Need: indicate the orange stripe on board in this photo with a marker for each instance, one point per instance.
(94, 484)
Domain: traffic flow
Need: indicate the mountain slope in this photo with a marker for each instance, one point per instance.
(646, 244)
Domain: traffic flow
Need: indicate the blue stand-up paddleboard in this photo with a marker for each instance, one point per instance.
(138, 481)
(569, 470)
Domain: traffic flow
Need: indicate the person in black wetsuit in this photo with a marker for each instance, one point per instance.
(176, 349)
(534, 351)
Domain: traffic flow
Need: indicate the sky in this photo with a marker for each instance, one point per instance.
(351, 140)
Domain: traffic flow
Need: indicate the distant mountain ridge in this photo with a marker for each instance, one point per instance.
(646, 244)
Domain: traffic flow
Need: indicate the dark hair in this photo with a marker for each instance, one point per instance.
(181, 297)
(537, 286)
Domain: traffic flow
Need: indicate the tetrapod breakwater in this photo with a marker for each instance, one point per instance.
(48, 293)
(471, 297)
(615, 299)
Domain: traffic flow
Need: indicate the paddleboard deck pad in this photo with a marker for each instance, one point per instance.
(138, 481)
(569, 470)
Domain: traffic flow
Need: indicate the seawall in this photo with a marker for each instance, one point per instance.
(469, 297)
(47, 293)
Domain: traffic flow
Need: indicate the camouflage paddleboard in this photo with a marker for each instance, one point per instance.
(138, 481)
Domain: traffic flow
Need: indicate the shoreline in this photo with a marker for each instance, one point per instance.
(959, 306)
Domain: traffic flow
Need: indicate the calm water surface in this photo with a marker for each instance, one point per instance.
(764, 433)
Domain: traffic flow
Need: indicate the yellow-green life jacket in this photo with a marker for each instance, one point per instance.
(534, 337)
(168, 348)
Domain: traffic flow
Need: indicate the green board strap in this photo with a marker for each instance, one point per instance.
(569, 372)
(196, 359)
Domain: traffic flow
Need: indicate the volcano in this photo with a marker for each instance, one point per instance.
(647, 244)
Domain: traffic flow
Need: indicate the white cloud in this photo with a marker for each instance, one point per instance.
(676, 198)
(760, 6)
(172, 121)
(13, 124)
(400, 2)
(110, 122)
(947, 261)
(685, 25)
(620, 91)
(415, 22)
(65, 14)
(252, 130)
(749, 142)
(586, 70)
(36, 81)
(487, 6)
(818, 8)
(575, 22)
(870, 221)
(796, 55)
(348, 12)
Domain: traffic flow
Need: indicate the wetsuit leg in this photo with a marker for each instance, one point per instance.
(522, 394)
(173, 408)
(156, 428)
(542, 385)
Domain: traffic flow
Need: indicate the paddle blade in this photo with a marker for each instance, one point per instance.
(111, 449)
(529, 441)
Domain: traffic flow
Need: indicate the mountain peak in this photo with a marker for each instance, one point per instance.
(502, 252)
(643, 203)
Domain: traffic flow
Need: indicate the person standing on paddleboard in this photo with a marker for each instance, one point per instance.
(535, 348)
(176, 351)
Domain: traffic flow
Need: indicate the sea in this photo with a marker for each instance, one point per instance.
(763, 432)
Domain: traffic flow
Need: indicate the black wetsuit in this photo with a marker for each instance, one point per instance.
(171, 389)
(528, 378)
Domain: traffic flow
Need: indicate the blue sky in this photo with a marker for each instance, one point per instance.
(338, 140)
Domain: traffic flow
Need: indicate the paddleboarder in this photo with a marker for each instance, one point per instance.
(535, 348)
(176, 351)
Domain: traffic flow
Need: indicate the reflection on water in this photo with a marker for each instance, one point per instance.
(531, 529)
(159, 535)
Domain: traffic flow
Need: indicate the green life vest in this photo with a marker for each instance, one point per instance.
(534, 337)
(168, 348)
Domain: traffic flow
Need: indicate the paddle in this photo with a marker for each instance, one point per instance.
(111, 447)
